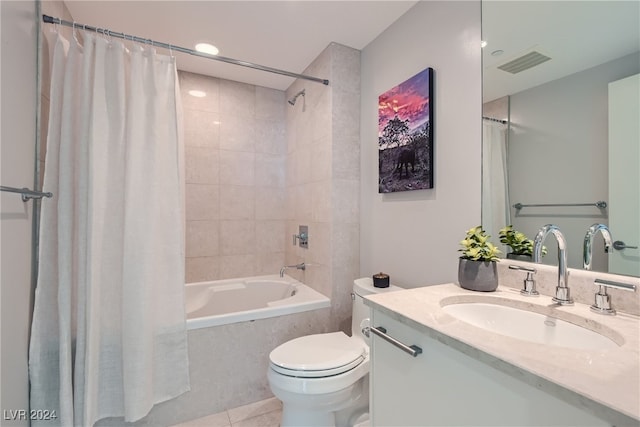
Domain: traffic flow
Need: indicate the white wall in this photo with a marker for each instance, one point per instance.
(17, 137)
(414, 236)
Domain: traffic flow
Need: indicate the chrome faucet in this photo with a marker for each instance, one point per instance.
(588, 242)
(563, 296)
(300, 266)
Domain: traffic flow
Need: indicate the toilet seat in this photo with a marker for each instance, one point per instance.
(316, 356)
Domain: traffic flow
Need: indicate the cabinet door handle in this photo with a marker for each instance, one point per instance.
(412, 350)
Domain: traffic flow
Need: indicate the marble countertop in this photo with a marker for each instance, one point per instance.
(605, 383)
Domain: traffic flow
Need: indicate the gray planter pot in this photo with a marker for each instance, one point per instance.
(528, 258)
(478, 275)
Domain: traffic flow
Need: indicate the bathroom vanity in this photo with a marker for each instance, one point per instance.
(470, 375)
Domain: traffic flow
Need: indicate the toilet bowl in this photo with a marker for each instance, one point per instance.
(323, 379)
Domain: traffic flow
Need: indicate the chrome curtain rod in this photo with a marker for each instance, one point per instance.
(51, 20)
(599, 204)
(491, 119)
(26, 193)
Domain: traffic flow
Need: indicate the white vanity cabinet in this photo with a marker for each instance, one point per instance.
(444, 386)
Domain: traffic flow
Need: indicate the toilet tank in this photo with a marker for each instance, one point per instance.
(361, 288)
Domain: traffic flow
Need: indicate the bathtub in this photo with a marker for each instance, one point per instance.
(222, 302)
(232, 326)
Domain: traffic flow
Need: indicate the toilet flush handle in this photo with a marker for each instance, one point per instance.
(365, 327)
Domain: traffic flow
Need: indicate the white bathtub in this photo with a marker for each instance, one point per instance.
(223, 302)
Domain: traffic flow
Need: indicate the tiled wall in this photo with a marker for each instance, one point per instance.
(235, 162)
(345, 182)
(309, 175)
(323, 181)
(257, 168)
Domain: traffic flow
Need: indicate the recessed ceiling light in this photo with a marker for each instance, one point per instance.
(207, 48)
(483, 43)
(497, 52)
(197, 93)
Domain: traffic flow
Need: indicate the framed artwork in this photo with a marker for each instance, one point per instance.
(405, 135)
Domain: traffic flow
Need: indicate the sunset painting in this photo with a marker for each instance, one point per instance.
(405, 135)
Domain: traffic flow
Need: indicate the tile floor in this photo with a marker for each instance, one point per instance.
(266, 413)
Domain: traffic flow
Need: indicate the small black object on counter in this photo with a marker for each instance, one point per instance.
(381, 280)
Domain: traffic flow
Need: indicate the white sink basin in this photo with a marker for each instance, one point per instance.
(529, 326)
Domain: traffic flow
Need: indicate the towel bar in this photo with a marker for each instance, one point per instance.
(26, 193)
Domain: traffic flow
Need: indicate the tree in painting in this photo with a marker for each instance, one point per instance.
(395, 131)
(405, 144)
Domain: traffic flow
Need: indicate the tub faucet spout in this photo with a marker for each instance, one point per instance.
(300, 266)
(588, 243)
(563, 296)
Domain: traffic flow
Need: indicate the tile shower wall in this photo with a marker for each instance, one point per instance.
(323, 178)
(235, 159)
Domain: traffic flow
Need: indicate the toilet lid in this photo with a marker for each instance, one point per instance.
(318, 355)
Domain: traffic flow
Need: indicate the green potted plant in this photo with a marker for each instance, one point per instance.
(521, 246)
(477, 268)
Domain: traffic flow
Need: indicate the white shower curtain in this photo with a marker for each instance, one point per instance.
(108, 334)
(495, 189)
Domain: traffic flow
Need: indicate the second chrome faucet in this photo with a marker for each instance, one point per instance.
(587, 250)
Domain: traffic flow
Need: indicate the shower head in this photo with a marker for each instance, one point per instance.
(292, 101)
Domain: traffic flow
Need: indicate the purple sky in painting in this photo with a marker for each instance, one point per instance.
(409, 100)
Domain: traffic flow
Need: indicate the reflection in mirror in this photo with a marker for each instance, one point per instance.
(548, 78)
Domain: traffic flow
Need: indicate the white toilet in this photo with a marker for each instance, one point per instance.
(322, 379)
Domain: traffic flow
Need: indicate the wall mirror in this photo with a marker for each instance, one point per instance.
(548, 78)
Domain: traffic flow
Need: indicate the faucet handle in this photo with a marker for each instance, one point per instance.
(529, 283)
(602, 302)
(619, 245)
(617, 285)
(518, 267)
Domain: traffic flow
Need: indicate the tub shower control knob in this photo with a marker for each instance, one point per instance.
(302, 238)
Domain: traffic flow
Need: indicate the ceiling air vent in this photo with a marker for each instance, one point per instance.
(524, 62)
